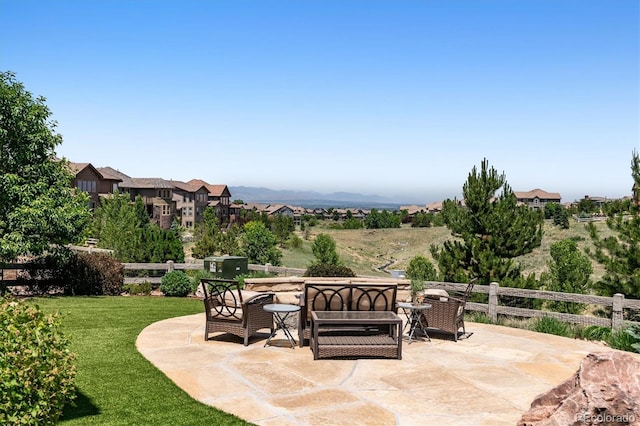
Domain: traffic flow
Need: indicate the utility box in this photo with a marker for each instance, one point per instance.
(227, 267)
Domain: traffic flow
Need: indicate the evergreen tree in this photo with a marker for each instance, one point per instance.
(620, 253)
(569, 272)
(119, 225)
(207, 235)
(490, 231)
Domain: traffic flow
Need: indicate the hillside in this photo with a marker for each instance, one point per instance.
(368, 250)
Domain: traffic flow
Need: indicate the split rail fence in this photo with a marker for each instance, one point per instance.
(616, 305)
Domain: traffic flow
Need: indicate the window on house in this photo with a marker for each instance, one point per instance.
(164, 193)
(115, 187)
(190, 211)
(87, 185)
(166, 210)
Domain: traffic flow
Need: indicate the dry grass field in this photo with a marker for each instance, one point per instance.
(370, 251)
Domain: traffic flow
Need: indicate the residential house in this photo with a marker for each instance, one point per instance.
(157, 195)
(219, 198)
(191, 201)
(95, 182)
(537, 198)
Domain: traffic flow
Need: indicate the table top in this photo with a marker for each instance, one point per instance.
(281, 307)
(415, 306)
(359, 317)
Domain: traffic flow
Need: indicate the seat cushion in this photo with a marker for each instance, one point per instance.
(436, 293)
(232, 298)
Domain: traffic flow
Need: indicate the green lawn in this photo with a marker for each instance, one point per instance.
(117, 385)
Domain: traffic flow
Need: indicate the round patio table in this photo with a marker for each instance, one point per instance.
(280, 313)
(413, 311)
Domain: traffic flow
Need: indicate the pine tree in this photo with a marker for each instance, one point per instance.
(620, 253)
(490, 231)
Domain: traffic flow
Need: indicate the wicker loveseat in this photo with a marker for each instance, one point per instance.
(343, 296)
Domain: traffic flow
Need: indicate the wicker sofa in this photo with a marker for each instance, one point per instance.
(343, 296)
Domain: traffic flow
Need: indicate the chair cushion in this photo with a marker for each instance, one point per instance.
(232, 297)
(436, 293)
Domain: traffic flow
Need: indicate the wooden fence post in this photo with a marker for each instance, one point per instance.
(170, 265)
(493, 301)
(617, 317)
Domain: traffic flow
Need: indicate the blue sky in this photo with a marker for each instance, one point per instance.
(394, 98)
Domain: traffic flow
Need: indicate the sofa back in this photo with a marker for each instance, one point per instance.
(346, 296)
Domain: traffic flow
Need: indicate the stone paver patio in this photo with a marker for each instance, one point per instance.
(490, 378)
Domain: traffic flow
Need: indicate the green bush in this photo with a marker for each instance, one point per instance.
(143, 288)
(551, 325)
(175, 284)
(625, 339)
(37, 371)
(327, 270)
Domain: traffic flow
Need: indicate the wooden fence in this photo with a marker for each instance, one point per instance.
(618, 303)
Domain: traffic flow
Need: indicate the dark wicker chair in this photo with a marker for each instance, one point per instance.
(447, 312)
(231, 310)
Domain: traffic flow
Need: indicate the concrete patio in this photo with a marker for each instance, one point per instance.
(490, 378)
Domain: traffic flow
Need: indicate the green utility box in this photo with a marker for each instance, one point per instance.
(227, 267)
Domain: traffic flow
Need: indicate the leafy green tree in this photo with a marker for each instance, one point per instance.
(259, 244)
(620, 253)
(352, 223)
(422, 220)
(38, 208)
(282, 226)
(420, 268)
(324, 249)
(490, 231)
(382, 219)
(550, 210)
(569, 272)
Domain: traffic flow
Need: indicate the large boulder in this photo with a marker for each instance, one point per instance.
(604, 391)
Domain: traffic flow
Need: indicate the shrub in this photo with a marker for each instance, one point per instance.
(94, 274)
(36, 368)
(551, 325)
(327, 270)
(175, 284)
(143, 288)
(622, 340)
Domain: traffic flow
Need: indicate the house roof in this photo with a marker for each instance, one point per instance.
(215, 190)
(146, 183)
(539, 193)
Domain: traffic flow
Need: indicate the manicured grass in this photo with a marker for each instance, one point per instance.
(117, 385)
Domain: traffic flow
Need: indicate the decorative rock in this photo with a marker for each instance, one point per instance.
(605, 391)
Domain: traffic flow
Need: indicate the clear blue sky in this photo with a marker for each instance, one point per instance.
(395, 98)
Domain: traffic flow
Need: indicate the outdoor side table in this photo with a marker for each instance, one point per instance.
(280, 313)
(413, 311)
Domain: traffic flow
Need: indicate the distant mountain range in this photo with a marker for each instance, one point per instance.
(311, 199)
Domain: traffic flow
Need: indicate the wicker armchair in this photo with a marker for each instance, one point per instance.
(231, 310)
(447, 313)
